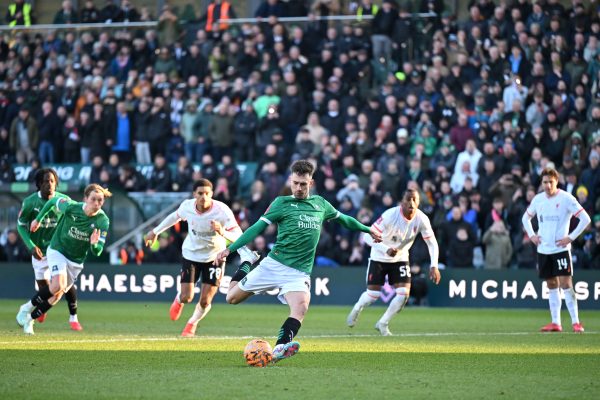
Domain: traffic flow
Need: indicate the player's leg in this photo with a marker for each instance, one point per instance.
(375, 279)
(71, 298)
(286, 346)
(188, 279)
(548, 272)
(42, 277)
(211, 280)
(566, 283)
(248, 258)
(400, 278)
(46, 296)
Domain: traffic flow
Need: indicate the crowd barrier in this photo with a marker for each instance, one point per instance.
(330, 286)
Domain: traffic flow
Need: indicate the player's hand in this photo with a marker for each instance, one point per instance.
(150, 238)
(535, 239)
(221, 257)
(34, 225)
(564, 241)
(36, 252)
(375, 234)
(392, 251)
(95, 237)
(216, 226)
(434, 275)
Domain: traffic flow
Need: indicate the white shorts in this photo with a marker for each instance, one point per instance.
(61, 265)
(271, 274)
(40, 268)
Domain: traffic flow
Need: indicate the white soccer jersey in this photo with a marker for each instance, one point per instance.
(554, 217)
(202, 244)
(400, 233)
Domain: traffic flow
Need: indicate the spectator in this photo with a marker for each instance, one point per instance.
(498, 250)
(66, 15)
(14, 249)
(89, 13)
(383, 27)
(245, 125)
(216, 16)
(6, 172)
(49, 133)
(160, 179)
(20, 13)
(131, 180)
(24, 136)
(352, 191)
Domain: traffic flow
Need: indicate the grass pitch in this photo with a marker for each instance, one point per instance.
(133, 351)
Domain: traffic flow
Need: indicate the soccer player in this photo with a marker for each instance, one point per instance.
(210, 224)
(399, 227)
(299, 218)
(554, 209)
(46, 181)
(81, 229)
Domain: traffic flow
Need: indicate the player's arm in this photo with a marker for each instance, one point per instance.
(433, 248)
(98, 238)
(526, 221)
(231, 231)
(58, 204)
(166, 223)
(584, 221)
(355, 225)
(23, 222)
(249, 235)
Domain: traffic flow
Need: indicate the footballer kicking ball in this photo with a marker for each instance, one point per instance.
(258, 353)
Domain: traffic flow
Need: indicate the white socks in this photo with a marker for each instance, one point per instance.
(73, 318)
(366, 299)
(396, 305)
(555, 304)
(571, 301)
(199, 313)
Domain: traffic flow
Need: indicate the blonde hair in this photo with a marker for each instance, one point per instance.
(94, 187)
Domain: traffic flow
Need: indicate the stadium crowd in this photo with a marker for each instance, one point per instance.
(466, 111)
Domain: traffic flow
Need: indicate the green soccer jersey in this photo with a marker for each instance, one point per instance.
(31, 207)
(72, 236)
(299, 223)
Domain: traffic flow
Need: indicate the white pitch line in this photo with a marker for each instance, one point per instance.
(345, 336)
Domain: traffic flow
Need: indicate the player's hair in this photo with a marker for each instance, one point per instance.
(303, 167)
(549, 171)
(41, 174)
(202, 183)
(410, 192)
(94, 187)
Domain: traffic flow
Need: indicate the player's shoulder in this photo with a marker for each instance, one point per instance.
(220, 206)
(60, 195)
(422, 216)
(188, 204)
(391, 212)
(566, 195)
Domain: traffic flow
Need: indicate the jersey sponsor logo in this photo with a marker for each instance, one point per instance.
(549, 218)
(78, 235)
(308, 222)
(55, 268)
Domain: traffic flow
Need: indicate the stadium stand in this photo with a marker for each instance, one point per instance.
(467, 110)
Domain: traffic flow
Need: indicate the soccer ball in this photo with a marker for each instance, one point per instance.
(258, 353)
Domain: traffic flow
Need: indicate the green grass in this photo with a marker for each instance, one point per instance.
(132, 351)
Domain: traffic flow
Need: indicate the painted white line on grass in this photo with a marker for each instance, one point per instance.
(344, 336)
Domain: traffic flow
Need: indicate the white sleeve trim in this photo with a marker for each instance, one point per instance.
(265, 220)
